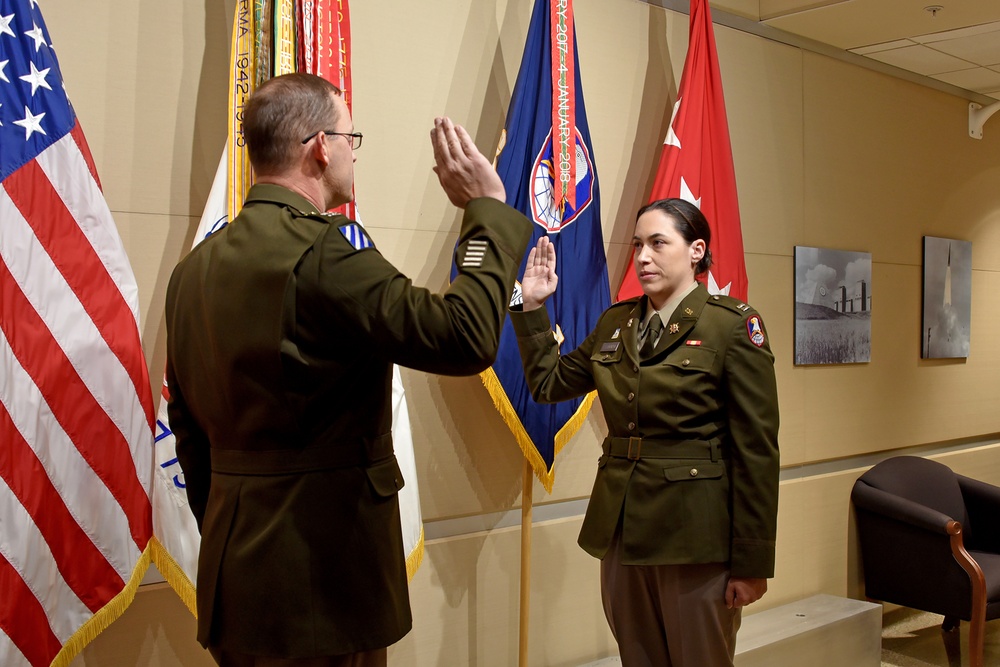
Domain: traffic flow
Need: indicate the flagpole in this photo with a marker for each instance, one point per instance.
(528, 484)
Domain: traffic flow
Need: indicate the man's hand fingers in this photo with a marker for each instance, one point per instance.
(465, 142)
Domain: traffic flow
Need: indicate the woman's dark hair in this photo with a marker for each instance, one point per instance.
(689, 222)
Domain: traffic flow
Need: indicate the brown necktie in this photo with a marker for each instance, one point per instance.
(653, 330)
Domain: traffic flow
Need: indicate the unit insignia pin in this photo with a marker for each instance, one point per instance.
(674, 327)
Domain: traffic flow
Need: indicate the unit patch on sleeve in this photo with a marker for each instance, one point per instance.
(356, 236)
(756, 331)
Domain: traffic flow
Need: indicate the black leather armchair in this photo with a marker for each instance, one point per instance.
(930, 540)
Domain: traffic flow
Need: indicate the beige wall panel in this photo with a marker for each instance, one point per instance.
(771, 293)
(157, 630)
(467, 459)
(899, 400)
(746, 8)
(982, 463)
(811, 557)
(763, 90)
(878, 177)
(465, 602)
(629, 99)
(148, 82)
(412, 62)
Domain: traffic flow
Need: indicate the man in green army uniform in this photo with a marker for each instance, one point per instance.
(282, 332)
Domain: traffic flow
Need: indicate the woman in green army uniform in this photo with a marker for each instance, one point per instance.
(684, 506)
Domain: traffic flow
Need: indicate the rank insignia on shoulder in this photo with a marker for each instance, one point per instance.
(695, 343)
(356, 236)
(688, 311)
(755, 331)
(609, 347)
(743, 307)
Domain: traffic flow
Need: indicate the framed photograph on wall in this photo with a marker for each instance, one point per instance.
(947, 311)
(833, 305)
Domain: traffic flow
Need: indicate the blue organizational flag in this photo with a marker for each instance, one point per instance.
(547, 166)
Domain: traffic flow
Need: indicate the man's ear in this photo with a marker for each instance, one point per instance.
(319, 151)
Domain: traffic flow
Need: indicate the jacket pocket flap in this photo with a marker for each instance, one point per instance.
(694, 471)
(608, 353)
(692, 358)
(385, 477)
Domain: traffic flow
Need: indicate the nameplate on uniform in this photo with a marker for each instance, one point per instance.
(610, 347)
(356, 236)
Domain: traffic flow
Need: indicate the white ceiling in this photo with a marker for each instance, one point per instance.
(957, 44)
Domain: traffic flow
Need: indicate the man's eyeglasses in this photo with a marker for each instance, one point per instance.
(354, 138)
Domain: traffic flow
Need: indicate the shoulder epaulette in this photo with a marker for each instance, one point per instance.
(328, 218)
(730, 303)
(626, 302)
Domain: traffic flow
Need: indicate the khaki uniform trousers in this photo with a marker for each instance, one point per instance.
(668, 615)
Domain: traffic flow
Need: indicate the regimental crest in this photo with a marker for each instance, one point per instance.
(356, 236)
(545, 211)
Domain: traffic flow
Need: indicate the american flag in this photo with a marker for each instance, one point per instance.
(76, 411)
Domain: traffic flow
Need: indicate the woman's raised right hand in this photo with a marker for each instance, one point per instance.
(540, 279)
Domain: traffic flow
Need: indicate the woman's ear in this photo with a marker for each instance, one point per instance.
(697, 250)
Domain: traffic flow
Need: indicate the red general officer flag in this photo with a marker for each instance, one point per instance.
(697, 161)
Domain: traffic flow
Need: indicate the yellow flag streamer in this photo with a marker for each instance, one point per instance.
(241, 84)
(284, 37)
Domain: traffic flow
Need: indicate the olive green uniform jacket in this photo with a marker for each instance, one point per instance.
(282, 330)
(690, 466)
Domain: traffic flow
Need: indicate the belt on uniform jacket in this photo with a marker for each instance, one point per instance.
(346, 453)
(634, 449)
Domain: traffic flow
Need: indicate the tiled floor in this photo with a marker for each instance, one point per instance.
(913, 638)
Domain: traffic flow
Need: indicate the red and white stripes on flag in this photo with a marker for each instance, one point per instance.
(75, 412)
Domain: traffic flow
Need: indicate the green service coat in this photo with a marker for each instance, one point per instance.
(282, 330)
(690, 466)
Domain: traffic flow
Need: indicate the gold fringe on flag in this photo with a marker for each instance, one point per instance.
(510, 417)
(415, 557)
(106, 615)
(174, 575)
